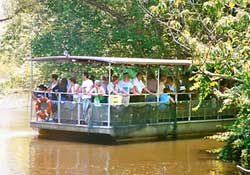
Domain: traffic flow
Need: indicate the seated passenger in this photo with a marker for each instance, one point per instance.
(126, 83)
(73, 89)
(114, 88)
(63, 87)
(138, 85)
(42, 87)
(42, 91)
(165, 99)
(97, 92)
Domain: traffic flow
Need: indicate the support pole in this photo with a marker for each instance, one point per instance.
(31, 90)
(109, 95)
(158, 85)
(78, 111)
(190, 107)
(59, 108)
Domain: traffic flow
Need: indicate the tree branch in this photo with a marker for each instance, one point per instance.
(6, 19)
(210, 74)
(210, 31)
(107, 10)
(171, 29)
(176, 41)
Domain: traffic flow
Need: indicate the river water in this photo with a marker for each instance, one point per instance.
(23, 152)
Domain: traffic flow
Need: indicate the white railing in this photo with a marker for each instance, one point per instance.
(71, 111)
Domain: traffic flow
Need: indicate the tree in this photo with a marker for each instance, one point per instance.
(216, 34)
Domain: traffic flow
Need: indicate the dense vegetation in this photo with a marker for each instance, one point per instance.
(215, 34)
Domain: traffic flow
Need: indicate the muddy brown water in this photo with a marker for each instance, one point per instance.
(23, 152)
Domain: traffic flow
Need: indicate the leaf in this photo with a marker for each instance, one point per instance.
(231, 4)
(213, 83)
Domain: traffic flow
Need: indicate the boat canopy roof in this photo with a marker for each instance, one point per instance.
(113, 60)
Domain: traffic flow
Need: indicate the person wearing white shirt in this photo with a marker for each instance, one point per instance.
(87, 85)
(139, 85)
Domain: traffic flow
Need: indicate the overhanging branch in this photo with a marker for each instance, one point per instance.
(6, 19)
(171, 29)
(210, 74)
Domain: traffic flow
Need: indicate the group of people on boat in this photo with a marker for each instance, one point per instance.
(99, 89)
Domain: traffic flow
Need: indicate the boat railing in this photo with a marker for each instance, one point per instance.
(134, 110)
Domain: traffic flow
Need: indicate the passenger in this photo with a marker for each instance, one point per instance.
(165, 99)
(42, 87)
(97, 91)
(104, 82)
(53, 87)
(138, 85)
(54, 83)
(183, 95)
(42, 91)
(171, 84)
(162, 85)
(87, 84)
(63, 87)
(126, 83)
(73, 90)
(152, 83)
(114, 88)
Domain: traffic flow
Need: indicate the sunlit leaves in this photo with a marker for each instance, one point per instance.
(217, 31)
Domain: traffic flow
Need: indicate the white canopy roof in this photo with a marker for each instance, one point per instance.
(114, 60)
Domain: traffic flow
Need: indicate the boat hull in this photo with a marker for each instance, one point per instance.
(180, 129)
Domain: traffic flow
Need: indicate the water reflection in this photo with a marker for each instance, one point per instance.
(168, 157)
(22, 152)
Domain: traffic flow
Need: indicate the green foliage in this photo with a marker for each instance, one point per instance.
(215, 34)
(238, 142)
(83, 29)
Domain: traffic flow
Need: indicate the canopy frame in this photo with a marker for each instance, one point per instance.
(113, 60)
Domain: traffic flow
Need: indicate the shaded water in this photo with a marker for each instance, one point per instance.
(22, 152)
